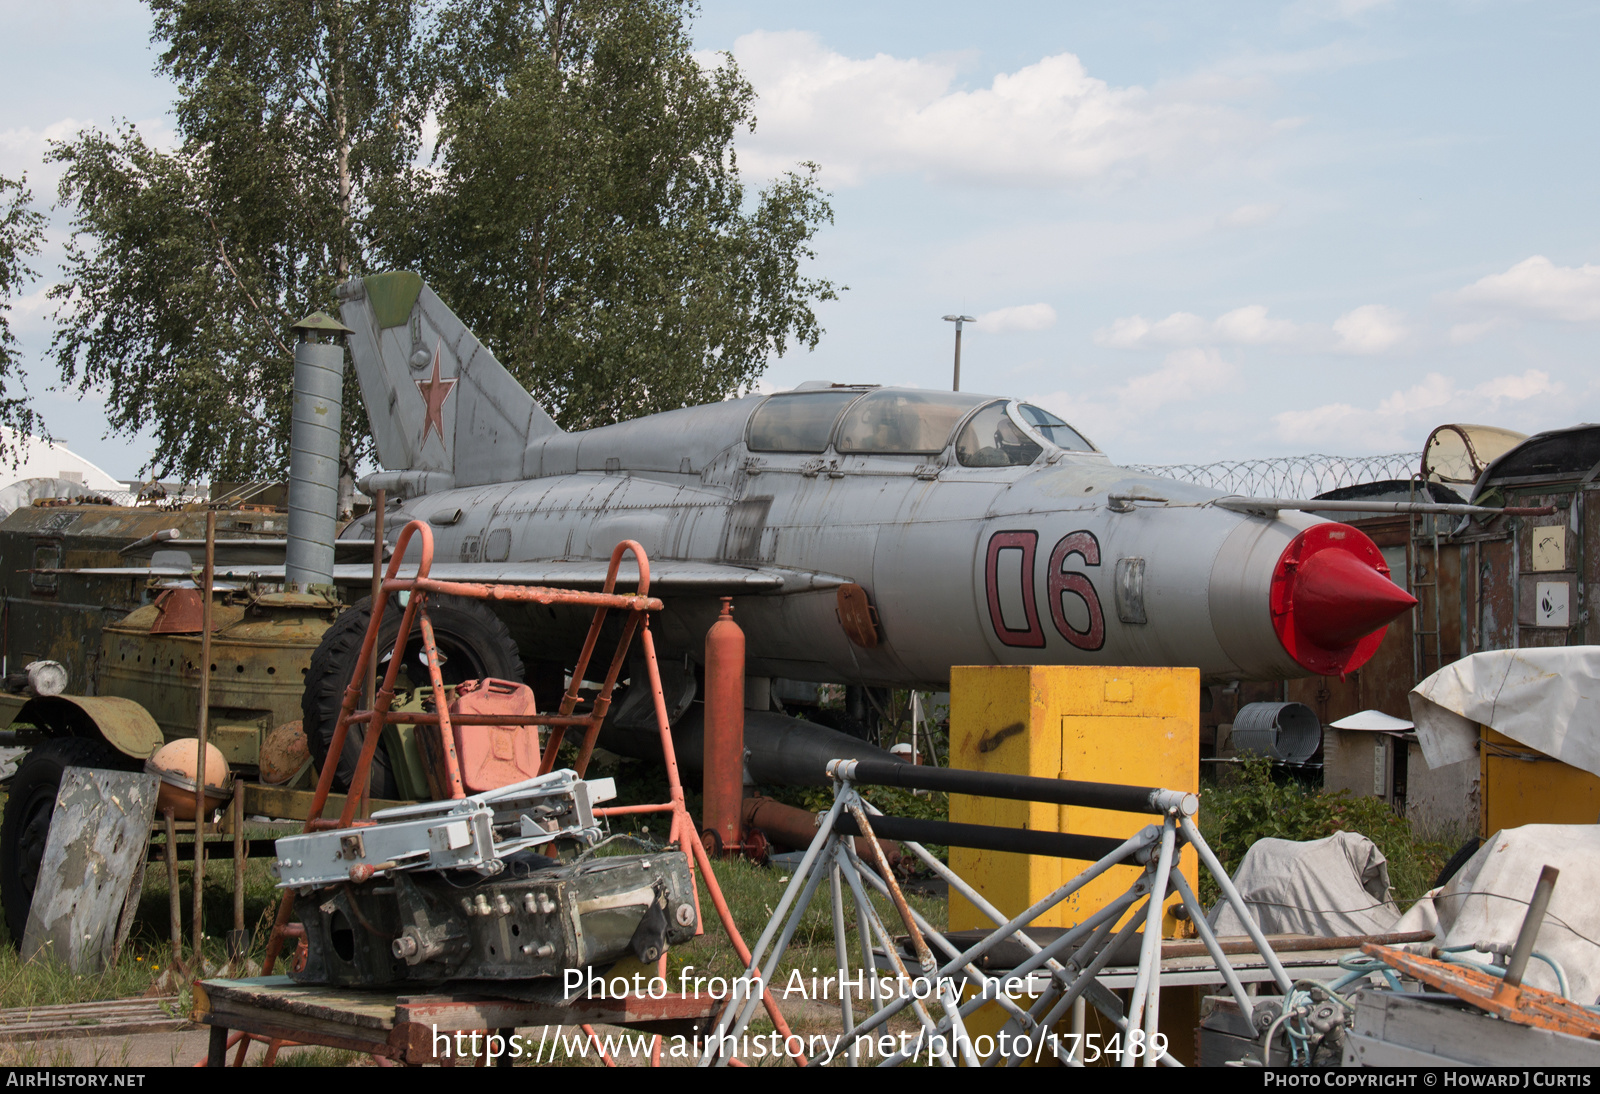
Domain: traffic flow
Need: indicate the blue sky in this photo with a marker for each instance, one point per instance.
(1197, 231)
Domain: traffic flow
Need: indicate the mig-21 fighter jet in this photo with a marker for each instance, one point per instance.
(868, 535)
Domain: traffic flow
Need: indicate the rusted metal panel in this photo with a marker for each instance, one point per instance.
(1523, 1005)
(178, 611)
(93, 851)
(1497, 603)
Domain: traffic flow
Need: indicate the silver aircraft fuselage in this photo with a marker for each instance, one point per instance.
(869, 535)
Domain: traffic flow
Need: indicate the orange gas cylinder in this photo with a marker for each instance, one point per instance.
(495, 756)
(723, 776)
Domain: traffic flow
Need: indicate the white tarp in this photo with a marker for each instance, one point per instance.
(1488, 898)
(1547, 699)
(1327, 887)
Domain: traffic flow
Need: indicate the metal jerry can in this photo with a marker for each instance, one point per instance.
(495, 756)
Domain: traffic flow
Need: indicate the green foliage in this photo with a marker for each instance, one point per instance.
(586, 216)
(21, 229)
(1256, 807)
(187, 267)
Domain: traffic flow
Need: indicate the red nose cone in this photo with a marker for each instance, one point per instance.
(1331, 597)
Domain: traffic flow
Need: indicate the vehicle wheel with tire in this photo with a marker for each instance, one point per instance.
(1453, 865)
(473, 645)
(30, 804)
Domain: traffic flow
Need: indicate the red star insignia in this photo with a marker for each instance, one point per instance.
(434, 392)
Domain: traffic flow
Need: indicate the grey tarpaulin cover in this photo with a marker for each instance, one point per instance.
(1548, 699)
(1326, 887)
(1488, 898)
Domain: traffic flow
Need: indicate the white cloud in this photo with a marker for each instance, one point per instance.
(1248, 216)
(1047, 124)
(1404, 415)
(1022, 317)
(1371, 328)
(1186, 374)
(1248, 326)
(1537, 288)
(1462, 333)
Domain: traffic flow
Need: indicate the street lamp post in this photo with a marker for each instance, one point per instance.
(958, 320)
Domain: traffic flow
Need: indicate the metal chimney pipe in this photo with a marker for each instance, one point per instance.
(314, 451)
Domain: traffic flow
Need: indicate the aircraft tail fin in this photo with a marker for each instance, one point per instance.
(443, 410)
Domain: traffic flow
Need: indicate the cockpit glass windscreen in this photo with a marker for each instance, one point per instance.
(798, 423)
(903, 422)
(992, 439)
(1054, 430)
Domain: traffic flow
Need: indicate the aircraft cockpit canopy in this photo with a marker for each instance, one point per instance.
(798, 423)
(898, 422)
(992, 439)
(890, 421)
(1053, 429)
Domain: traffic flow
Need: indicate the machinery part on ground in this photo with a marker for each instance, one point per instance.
(473, 645)
(177, 766)
(723, 776)
(534, 921)
(544, 919)
(30, 804)
(1287, 732)
(477, 833)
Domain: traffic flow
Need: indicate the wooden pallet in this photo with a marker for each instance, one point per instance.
(111, 1018)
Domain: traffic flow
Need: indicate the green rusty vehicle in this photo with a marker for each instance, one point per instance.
(130, 642)
(111, 593)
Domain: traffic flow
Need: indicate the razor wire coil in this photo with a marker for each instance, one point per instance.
(1289, 476)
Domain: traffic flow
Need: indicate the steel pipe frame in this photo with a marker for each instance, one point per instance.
(732, 1018)
(1098, 948)
(1064, 990)
(1026, 1020)
(1104, 1002)
(875, 924)
(1129, 799)
(806, 880)
(1130, 848)
(1192, 833)
(910, 919)
(978, 901)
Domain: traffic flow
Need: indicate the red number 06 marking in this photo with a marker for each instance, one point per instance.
(1062, 582)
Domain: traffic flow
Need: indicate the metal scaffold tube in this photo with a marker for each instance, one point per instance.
(1071, 963)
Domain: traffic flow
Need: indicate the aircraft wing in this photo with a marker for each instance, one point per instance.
(667, 575)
